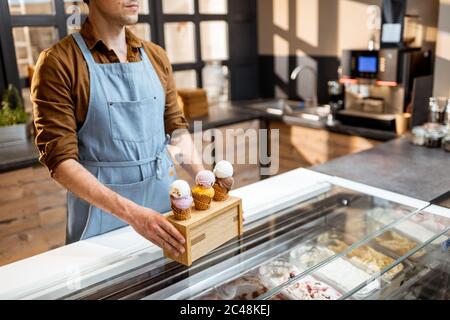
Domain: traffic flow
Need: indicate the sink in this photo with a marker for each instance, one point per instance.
(276, 106)
(293, 110)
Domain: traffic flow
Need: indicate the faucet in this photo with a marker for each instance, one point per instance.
(296, 73)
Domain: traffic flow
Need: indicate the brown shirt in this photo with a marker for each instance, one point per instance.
(60, 92)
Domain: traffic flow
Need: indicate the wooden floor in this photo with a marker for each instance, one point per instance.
(33, 212)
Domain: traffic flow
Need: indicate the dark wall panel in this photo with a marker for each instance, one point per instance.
(7, 45)
(244, 83)
(269, 79)
(243, 49)
(2, 73)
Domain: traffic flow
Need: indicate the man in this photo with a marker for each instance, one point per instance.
(104, 104)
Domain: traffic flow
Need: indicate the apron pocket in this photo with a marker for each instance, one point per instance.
(101, 222)
(131, 121)
(136, 192)
(150, 193)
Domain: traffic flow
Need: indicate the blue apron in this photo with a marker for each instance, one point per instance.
(122, 142)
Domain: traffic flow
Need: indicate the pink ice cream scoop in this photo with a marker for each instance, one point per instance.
(205, 179)
(182, 203)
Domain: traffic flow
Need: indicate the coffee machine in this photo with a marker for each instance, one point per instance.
(378, 86)
(379, 82)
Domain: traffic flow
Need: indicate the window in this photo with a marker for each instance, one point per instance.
(29, 42)
(77, 6)
(214, 40)
(178, 6)
(197, 42)
(142, 30)
(186, 79)
(195, 34)
(29, 7)
(180, 42)
(213, 6)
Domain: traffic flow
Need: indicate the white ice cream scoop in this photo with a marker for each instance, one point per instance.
(223, 170)
(180, 189)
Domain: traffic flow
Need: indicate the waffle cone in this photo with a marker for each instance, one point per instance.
(220, 193)
(201, 201)
(181, 215)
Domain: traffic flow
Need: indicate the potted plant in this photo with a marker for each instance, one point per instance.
(13, 117)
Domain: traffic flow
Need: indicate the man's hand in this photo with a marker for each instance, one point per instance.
(155, 228)
(184, 152)
(148, 223)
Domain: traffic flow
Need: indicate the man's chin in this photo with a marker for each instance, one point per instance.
(130, 20)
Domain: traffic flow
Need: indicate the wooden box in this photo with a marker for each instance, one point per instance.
(193, 102)
(208, 230)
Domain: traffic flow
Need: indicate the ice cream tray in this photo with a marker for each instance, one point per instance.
(207, 230)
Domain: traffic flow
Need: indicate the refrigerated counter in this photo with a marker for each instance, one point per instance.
(307, 237)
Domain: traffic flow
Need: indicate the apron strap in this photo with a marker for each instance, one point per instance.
(84, 49)
(159, 158)
(127, 164)
(124, 164)
(143, 55)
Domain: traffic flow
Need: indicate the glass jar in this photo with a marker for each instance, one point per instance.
(214, 80)
(436, 110)
(418, 136)
(447, 115)
(434, 134)
(446, 143)
(336, 96)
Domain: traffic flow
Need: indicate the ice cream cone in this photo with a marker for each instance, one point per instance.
(181, 215)
(202, 202)
(220, 193)
(223, 172)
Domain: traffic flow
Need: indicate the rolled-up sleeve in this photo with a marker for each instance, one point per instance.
(173, 117)
(54, 112)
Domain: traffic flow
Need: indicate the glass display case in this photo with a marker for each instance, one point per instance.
(339, 245)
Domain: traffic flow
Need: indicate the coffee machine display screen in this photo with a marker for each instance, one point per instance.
(368, 64)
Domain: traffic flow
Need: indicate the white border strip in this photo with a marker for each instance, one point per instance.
(440, 211)
(254, 214)
(380, 193)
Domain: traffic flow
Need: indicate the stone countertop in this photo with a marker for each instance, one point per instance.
(220, 115)
(224, 114)
(18, 156)
(24, 155)
(397, 166)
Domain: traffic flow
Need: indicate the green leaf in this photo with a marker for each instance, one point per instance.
(12, 110)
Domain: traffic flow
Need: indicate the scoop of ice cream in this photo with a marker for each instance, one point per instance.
(205, 179)
(180, 189)
(182, 203)
(226, 183)
(223, 170)
(204, 191)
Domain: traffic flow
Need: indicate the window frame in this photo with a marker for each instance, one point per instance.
(156, 18)
(196, 18)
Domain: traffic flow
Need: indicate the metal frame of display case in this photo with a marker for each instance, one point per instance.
(327, 205)
(254, 249)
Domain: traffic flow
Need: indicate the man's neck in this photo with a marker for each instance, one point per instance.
(113, 35)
